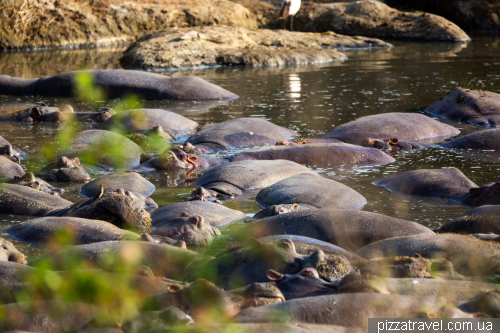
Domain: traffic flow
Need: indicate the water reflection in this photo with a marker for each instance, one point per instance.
(292, 82)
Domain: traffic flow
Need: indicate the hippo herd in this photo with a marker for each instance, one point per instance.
(311, 257)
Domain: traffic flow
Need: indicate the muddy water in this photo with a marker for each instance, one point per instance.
(310, 100)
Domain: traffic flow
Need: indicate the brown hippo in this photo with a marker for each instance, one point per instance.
(8, 252)
(41, 113)
(83, 231)
(275, 210)
(391, 144)
(117, 84)
(179, 159)
(403, 126)
(98, 116)
(480, 220)
(66, 170)
(349, 229)
(477, 107)
(238, 132)
(9, 169)
(481, 140)
(469, 256)
(448, 183)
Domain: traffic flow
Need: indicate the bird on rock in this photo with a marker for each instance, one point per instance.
(289, 8)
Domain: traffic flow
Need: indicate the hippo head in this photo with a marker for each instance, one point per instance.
(52, 114)
(276, 210)
(356, 283)
(193, 230)
(488, 194)
(177, 159)
(68, 170)
(8, 252)
(102, 115)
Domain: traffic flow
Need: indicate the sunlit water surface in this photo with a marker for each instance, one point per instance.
(310, 100)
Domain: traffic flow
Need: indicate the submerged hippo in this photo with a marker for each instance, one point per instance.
(481, 140)
(98, 116)
(41, 113)
(179, 159)
(308, 191)
(448, 183)
(349, 229)
(391, 144)
(120, 208)
(130, 181)
(83, 231)
(403, 126)
(233, 178)
(66, 170)
(275, 210)
(214, 214)
(317, 154)
(469, 256)
(238, 133)
(117, 84)
(29, 180)
(477, 107)
(9, 170)
(10, 152)
(480, 220)
(8, 252)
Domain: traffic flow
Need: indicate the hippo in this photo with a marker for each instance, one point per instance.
(83, 231)
(10, 152)
(29, 179)
(9, 170)
(8, 252)
(352, 309)
(271, 327)
(23, 200)
(308, 191)
(66, 170)
(349, 229)
(98, 116)
(120, 208)
(141, 120)
(179, 159)
(275, 210)
(155, 321)
(481, 140)
(192, 229)
(480, 220)
(130, 181)
(41, 113)
(214, 214)
(469, 256)
(240, 132)
(486, 303)
(104, 149)
(317, 154)
(12, 272)
(164, 260)
(233, 178)
(476, 107)
(154, 140)
(448, 183)
(392, 144)
(384, 126)
(249, 264)
(117, 84)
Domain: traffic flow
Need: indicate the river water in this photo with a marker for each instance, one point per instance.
(311, 100)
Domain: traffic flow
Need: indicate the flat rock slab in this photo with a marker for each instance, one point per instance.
(239, 132)
(23, 200)
(477, 107)
(215, 214)
(469, 256)
(235, 177)
(9, 169)
(481, 140)
(130, 181)
(349, 229)
(481, 220)
(310, 191)
(317, 154)
(404, 126)
(83, 231)
(105, 149)
(141, 120)
(222, 45)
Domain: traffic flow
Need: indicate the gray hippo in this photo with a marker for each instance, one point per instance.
(117, 84)
(239, 132)
(41, 113)
(403, 126)
(486, 303)
(317, 154)
(142, 120)
(214, 214)
(29, 179)
(8, 252)
(233, 178)
(10, 152)
(480, 140)
(177, 158)
(66, 170)
(23, 200)
(469, 256)
(83, 231)
(120, 208)
(9, 170)
(448, 183)
(130, 181)
(352, 309)
(349, 229)
(98, 116)
(192, 229)
(308, 191)
(480, 220)
(275, 210)
(392, 144)
(477, 107)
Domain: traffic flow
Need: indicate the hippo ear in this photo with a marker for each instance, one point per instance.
(184, 214)
(367, 142)
(174, 288)
(192, 159)
(36, 113)
(476, 191)
(275, 276)
(294, 208)
(288, 244)
(76, 160)
(197, 221)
